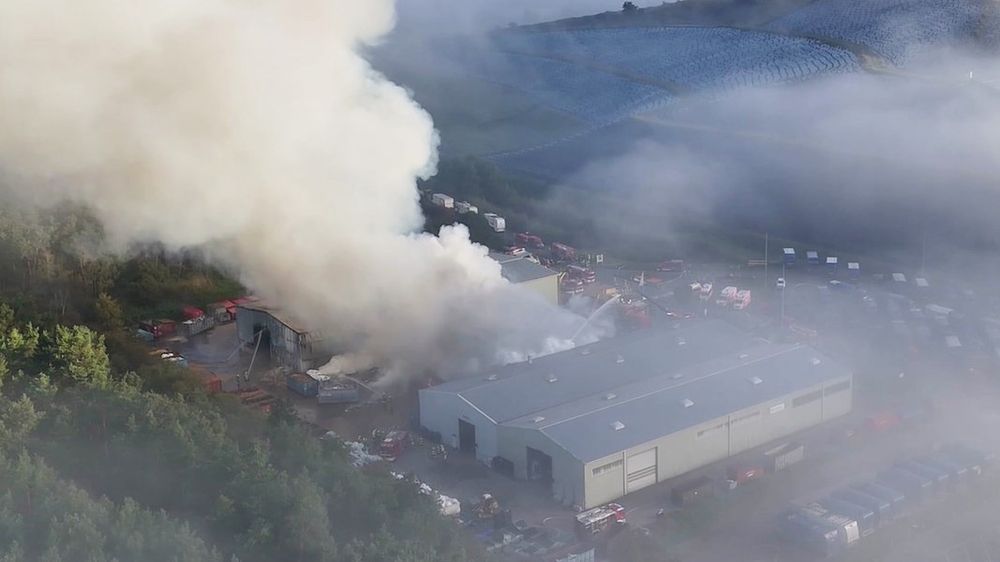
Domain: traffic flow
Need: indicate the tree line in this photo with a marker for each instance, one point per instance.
(107, 455)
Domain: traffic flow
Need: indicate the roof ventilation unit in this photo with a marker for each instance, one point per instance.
(620, 360)
(744, 356)
(755, 380)
(617, 425)
(538, 419)
(677, 376)
(585, 351)
(815, 361)
(610, 396)
(687, 403)
(491, 378)
(681, 341)
(552, 378)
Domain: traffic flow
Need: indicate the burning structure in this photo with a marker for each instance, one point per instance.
(274, 333)
(606, 419)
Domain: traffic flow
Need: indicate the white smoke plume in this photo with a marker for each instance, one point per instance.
(255, 127)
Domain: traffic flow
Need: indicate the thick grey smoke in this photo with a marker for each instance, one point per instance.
(257, 129)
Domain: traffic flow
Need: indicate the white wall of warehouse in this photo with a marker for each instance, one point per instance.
(605, 479)
(440, 412)
(548, 287)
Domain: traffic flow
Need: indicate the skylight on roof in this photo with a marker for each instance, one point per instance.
(676, 376)
(617, 425)
(610, 396)
(756, 380)
(687, 402)
(538, 419)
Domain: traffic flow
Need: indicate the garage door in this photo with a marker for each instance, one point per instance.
(641, 470)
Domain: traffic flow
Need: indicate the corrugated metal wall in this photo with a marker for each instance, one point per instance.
(605, 479)
(567, 472)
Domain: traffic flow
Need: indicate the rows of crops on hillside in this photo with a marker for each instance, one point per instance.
(895, 29)
(588, 94)
(689, 58)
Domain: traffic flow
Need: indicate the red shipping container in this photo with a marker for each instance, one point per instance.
(192, 312)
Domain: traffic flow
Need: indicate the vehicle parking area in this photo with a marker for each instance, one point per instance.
(854, 319)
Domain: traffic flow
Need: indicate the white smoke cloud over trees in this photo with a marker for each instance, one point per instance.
(255, 128)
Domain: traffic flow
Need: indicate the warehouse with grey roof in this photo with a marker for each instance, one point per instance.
(603, 420)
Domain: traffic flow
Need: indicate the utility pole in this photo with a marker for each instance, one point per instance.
(765, 260)
(784, 283)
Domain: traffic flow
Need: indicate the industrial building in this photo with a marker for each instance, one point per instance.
(603, 420)
(275, 334)
(523, 271)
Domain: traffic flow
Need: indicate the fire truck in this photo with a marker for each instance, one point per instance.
(393, 444)
(582, 273)
(528, 240)
(563, 252)
(595, 520)
(571, 285)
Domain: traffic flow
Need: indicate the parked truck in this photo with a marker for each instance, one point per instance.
(584, 274)
(528, 240)
(562, 252)
(895, 498)
(846, 527)
(865, 516)
(496, 222)
(881, 508)
(783, 456)
(595, 520)
(810, 533)
(393, 444)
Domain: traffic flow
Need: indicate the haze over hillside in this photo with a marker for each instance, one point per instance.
(755, 96)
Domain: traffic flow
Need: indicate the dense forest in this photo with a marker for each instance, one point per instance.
(105, 455)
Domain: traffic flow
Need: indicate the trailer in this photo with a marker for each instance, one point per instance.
(789, 256)
(865, 516)
(464, 207)
(496, 222)
(881, 509)
(595, 520)
(895, 498)
(198, 325)
(812, 257)
(915, 488)
(815, 535)
(847, 528)
(938, 480)
(333, 391)
(783, 456)
(301, 384)
(443, 201)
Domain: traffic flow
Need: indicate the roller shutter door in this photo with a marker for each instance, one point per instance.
(641, 470)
